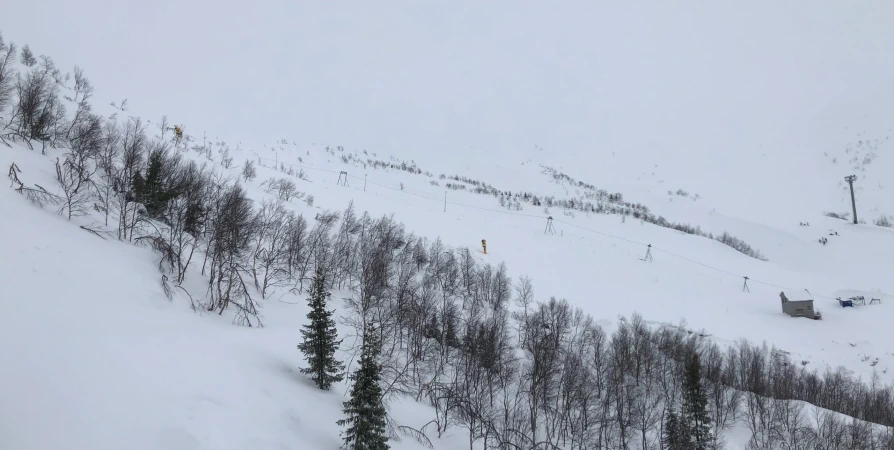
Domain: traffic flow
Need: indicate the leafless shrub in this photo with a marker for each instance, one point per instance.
(7, 73)
(225, 159)
(840, 216)
(248, 170)
(28, 58)
(37, 194)
(166, 287)
(39, 114)
(740, 246)
(75, 183)
(284, 188)
(13, 175)
(94, 231)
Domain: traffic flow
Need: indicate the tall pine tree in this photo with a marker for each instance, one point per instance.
(365, 413)
(320, 338)
(695, 419)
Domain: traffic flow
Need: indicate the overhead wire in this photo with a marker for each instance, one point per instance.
(515, 213)
(695, 262)
(599, 232)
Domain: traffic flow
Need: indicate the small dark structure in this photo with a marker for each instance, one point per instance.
(857, 300)
(799, 304)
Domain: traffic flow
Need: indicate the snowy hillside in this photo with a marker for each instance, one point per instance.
(594, 260)
(125, 320)
(600, 183)
(746, 104)
(97, 357)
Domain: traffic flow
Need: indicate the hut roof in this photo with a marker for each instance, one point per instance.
(797, 295)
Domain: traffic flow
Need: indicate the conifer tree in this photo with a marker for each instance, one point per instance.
(154, 196)
(695, 418)
(674, 436)
(365, 414)
(139, 186)
(320, 338)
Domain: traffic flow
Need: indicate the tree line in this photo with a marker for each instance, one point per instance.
(590, 199)
(514, 373)
(433, 323)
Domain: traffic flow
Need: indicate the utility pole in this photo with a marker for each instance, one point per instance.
(364, 182)
(850, 180)
(445, 201)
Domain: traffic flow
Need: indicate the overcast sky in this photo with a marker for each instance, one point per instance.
(571, 76)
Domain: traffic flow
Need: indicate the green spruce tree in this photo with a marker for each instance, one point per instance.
(696, 422)
(154, 195)
(139, 186)
(674, 436)
(365, 415)
(320, 338)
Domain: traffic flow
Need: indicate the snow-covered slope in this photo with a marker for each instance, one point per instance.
(760, 110)
(95, 356)
(746, 104)
(595, 260)
(92, 337)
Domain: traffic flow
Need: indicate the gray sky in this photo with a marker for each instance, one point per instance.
(575, 76)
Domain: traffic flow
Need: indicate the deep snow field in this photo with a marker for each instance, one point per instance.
(101, 357)
(96, 357)
(596, 262)
(757, 114)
